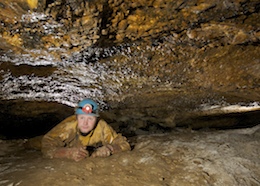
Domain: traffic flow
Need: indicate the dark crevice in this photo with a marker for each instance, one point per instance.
(48, 2)
(223, 121)
(22, 119)
(104, 39)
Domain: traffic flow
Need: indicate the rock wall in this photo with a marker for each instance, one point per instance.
(148, 63)
(76, 25)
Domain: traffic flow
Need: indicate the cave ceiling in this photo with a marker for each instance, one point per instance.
(145, 62)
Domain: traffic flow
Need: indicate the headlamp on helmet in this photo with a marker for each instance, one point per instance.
(88, 107)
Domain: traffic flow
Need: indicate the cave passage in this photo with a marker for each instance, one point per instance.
(25, 119)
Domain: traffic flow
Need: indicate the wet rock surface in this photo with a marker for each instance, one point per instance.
(153, 67)
(181, 157)
(147, 63)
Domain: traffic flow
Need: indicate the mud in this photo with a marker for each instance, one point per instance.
(181, 157)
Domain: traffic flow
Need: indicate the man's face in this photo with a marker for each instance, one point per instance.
(86, 122)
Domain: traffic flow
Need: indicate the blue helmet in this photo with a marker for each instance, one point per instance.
(88, 107)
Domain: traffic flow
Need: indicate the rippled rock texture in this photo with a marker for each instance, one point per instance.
(148, 63)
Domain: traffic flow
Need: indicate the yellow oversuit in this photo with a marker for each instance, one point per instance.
(66, 134)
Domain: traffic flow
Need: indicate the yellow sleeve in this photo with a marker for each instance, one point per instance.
(111, 137)
(57, 137)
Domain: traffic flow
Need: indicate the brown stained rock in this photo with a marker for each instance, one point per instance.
(223, 33)
(127, 20)
(179, 54)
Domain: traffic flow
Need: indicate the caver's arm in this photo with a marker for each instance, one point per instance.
(54, 143)
(112, 142)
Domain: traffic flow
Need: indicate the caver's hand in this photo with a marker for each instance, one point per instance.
(75, 153)
(103, 151)
(115, 148)
(106, 150)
